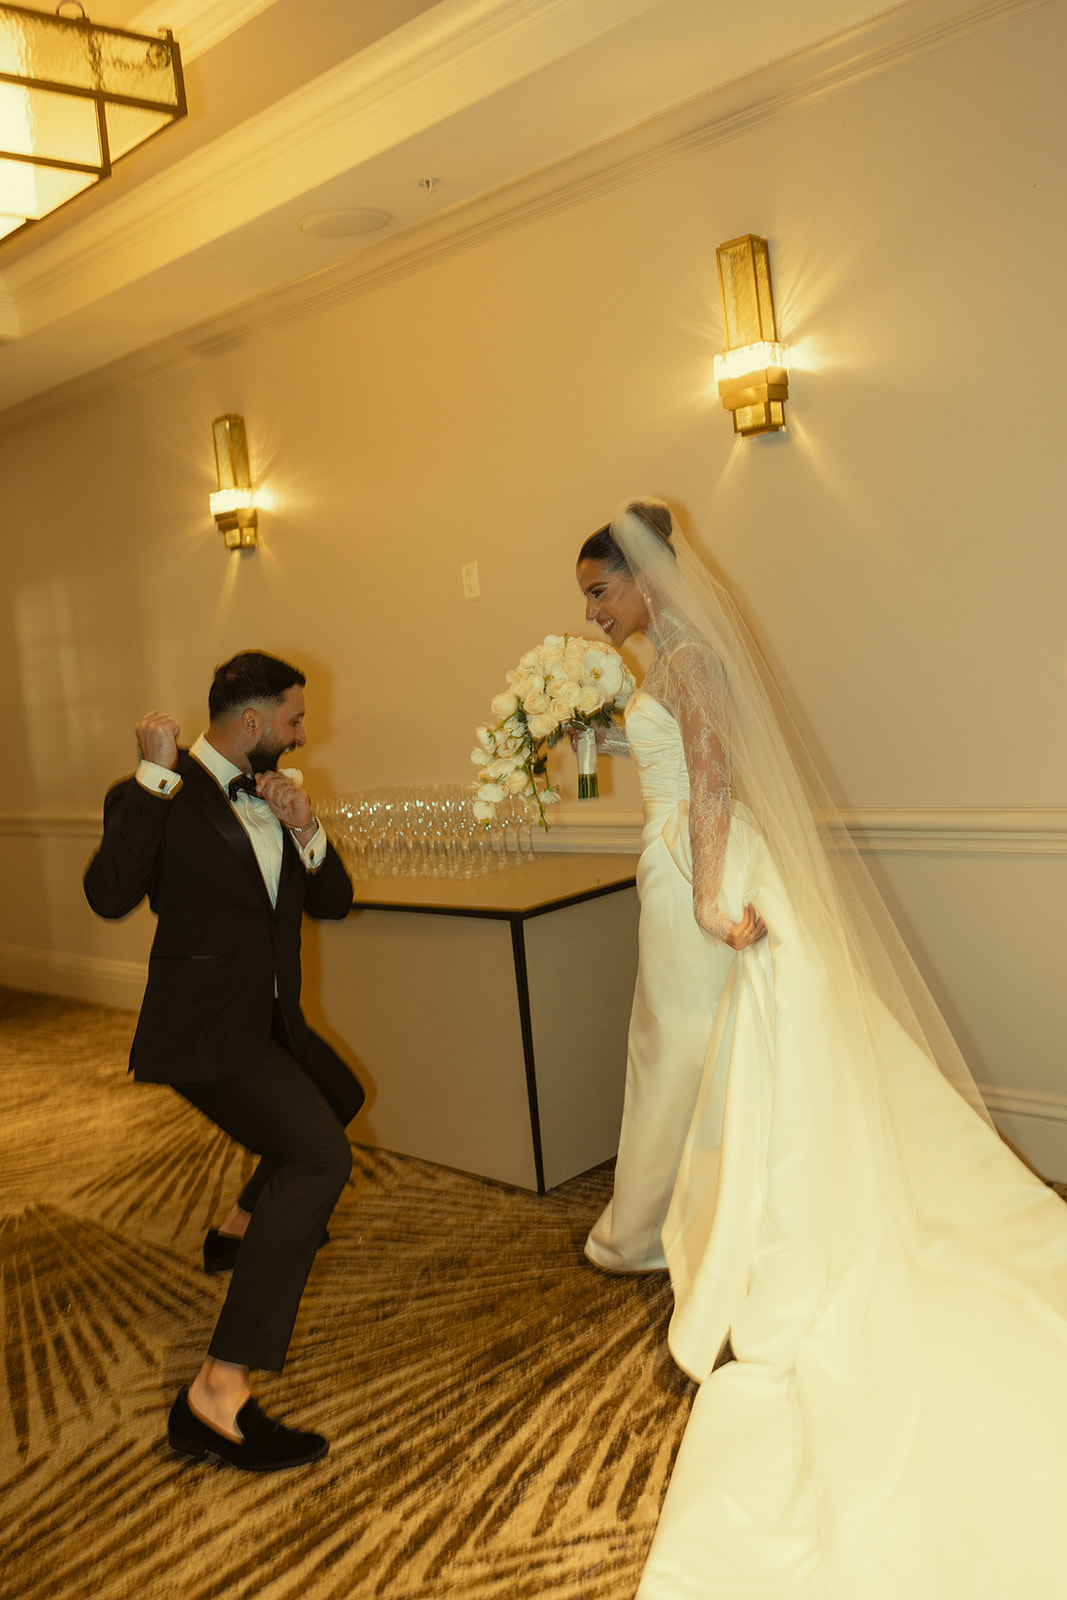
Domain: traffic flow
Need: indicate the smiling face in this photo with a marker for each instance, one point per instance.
(280, 728)
(613, 600)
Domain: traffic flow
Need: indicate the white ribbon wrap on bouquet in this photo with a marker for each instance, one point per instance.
(587, 753)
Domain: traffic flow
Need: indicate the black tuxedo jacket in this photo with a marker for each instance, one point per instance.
(219, 945)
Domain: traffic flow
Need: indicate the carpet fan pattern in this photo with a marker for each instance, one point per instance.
(502, 1417)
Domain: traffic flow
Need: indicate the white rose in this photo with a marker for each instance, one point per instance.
(589, 700)
(565, 690)
(516, 781)
(537, 704)
(542, 725)
(562, 711)
(503, 705)
(555, 642)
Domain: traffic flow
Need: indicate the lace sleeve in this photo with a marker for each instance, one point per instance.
(693, 688)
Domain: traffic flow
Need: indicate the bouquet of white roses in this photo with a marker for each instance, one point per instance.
(562, 684)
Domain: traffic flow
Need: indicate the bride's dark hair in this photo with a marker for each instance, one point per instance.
(601, 545)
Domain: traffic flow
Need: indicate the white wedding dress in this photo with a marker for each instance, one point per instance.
(680, 975)
(893, 1281)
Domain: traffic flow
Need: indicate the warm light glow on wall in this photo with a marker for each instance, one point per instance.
(73, 99)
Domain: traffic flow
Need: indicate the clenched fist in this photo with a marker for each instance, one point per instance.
(157, 739)
(286, 799)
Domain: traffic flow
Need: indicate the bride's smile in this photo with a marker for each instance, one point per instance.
(613, 600)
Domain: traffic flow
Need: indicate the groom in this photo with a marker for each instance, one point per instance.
(230, 855)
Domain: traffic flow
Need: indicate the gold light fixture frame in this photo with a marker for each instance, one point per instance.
(752, 375)
(74, 98)
(233, 506)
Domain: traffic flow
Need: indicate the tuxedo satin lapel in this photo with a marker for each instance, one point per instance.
(289, 854)
(204, 792)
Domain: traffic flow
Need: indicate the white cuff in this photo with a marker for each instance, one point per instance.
(158, 780)
(313, 854)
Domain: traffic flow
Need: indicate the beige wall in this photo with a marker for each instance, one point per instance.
(900, 552)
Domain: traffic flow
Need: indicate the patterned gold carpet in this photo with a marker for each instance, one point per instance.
(503, 1417)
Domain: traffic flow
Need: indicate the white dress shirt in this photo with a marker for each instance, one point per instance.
(258, 820)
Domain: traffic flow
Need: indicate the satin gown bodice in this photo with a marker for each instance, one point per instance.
(656, 747)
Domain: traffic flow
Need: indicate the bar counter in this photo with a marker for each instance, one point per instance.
(487, 1017)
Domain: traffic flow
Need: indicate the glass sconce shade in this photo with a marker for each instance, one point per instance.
(752, 375)
(233, 506)
(745, 287)
(73, 99)
(226, 500)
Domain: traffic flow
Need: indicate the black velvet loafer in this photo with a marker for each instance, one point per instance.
(220, 1250)
(267, 1446)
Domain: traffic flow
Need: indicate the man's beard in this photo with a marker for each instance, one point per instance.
(264, 756)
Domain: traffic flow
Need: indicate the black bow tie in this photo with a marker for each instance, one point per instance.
(244, 784)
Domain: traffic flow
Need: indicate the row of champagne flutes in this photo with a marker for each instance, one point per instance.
(423, 832)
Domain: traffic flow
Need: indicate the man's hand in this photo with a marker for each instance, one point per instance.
(287, 800)
(157, 739)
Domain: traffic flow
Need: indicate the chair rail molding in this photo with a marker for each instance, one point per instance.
(875, 830)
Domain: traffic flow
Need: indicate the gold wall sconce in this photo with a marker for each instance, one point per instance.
(233, 506)
(752, 374)
(73, 99)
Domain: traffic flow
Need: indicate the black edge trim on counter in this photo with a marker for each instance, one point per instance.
(522, 990)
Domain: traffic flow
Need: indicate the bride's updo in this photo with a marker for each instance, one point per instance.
(602, 545)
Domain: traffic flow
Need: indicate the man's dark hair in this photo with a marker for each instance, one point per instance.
(250, 676)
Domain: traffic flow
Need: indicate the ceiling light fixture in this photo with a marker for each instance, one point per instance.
(752, 374)
(345, 224)
(73, 99)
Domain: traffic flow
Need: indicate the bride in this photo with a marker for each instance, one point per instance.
(803, 1146)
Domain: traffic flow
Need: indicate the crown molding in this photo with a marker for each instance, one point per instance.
(470, 26)
(197, 25)
(432, 67)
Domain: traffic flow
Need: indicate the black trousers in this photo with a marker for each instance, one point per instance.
(277, 1112)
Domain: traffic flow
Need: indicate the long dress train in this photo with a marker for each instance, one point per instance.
(892, 1279)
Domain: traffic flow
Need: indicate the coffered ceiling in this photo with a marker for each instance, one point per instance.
(299, 107)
